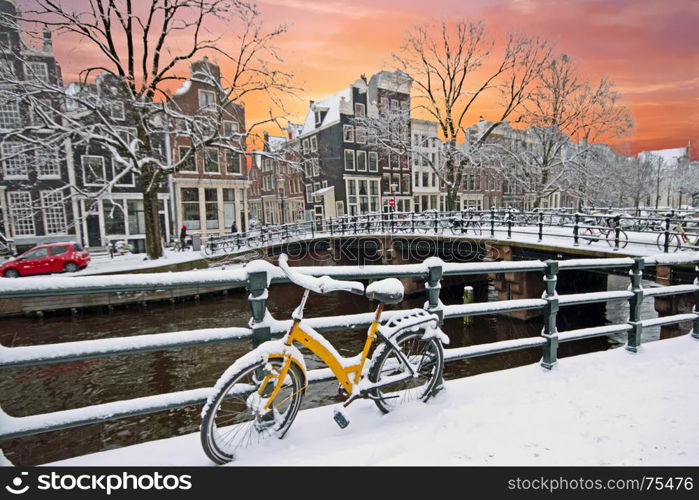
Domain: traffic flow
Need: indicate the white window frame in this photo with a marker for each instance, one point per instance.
(9, 114)
(360, 135)
(359, 109)
(30, 70)
(82, 167)
(17, 201)
(6, 45)
(117, 106)
(356, 160)
(218, 161)
(51, 208)
(351, 155)
(180, 155)
(316, 167)
(348, 133)
(202, 93)
(375, 155)
(305, 146)
(20, 162)
(52, 156)
(314, 143)
(233, 125)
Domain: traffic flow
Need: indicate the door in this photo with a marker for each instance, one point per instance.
(35, 262)
(58, 258)
(94, 236)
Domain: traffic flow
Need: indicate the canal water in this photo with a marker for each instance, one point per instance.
(50, 388)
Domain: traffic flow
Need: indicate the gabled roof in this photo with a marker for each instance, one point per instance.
(331, 105)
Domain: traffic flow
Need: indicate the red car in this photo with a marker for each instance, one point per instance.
(46, 259)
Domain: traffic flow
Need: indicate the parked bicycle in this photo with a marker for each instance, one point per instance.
(594, 232)
(677, 239)
(259, 396)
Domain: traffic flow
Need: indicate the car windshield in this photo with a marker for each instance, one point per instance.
(77, 247)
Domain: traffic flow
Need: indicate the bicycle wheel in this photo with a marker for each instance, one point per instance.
(623, 238)
(673, 242)
(426, 357)
(232, 418)
(589, 235)
(473, 228)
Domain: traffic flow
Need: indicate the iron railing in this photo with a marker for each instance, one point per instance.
(258, 276)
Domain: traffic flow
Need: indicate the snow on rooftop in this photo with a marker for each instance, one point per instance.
(186, 85)
(332, 104)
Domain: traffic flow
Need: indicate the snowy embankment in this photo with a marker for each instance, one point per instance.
(103, 264)
(605, 408)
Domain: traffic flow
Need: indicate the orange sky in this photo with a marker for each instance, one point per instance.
(649, 48)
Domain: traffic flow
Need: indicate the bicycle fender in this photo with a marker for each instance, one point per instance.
(412, 320)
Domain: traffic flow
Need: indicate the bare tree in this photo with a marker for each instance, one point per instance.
(146, 46)
(454, 67)
(567, 116)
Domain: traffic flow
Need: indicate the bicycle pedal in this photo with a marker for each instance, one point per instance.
(340, 419)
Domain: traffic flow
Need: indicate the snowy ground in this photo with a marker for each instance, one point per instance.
(605, 408)
(101, 264)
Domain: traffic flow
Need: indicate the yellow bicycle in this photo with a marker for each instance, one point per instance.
(260, 394)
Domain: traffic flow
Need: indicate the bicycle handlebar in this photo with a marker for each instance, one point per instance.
(324, 284)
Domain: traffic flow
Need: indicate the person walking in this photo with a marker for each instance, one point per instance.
(234, 228)
(183, 237)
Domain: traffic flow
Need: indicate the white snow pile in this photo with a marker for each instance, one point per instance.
(605, 408)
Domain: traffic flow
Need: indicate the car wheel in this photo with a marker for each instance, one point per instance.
(70, 267)
(11, 273)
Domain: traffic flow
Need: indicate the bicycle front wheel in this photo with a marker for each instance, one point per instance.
(623, 238)
(426, 357)
(673, 242)
(233, 419)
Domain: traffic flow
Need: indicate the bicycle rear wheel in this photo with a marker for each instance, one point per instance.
(232, 418)
(623, 238)
(673, 242)
(426, 357)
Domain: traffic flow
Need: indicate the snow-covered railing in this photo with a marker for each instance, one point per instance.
(258, 276)
(659, 232)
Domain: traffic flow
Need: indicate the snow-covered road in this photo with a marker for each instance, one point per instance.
(605, 408)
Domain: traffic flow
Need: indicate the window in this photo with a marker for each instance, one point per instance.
(15, 160)
(360, 135)
(340, 207)
(190, 208)
(211, 205)
(359, 110)
(211, 164)
(361, 161)
(472, 182)
(188, 165)
(232, 162)
(37, 71)
(386, 183)
(373, 162)
(93, 170)
(137, 217)
(349, 159)
(47, 163)
(395, 104)
(58, 250)
(228, 208)
(394, 161)
(22, 213)
(316, 167)
(206, 99)
(116, 110)
(406, 183)
(9, 114)
(305, 146)
(348, 133)
(229, 128)
(314, 143)
(383, 104)
(309, 192)
(114, 221)
(53, 211)
(7, 68)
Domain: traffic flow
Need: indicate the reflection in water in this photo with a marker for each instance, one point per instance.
(42, 389)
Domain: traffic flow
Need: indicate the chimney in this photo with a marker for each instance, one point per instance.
(48, 42)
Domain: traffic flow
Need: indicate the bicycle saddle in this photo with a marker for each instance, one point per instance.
(386, 291)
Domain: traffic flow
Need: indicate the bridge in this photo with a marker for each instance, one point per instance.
(260, 276)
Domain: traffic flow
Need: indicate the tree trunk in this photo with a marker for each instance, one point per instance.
(154, 247)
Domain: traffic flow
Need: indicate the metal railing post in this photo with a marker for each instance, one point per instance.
(666, 243)
(433, 286)
(331, 226)
(633, 342)
(550, 332)
(509, 223)
(492, 221)
(695, 323)
(541, 226)
(576, 230)
(436, 222)
(617, 232)
(412, 222)
(257, 286)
